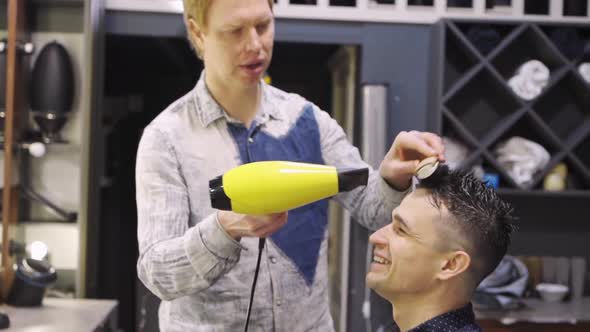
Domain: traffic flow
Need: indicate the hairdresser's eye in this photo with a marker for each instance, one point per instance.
(262, 27)
(234, 32)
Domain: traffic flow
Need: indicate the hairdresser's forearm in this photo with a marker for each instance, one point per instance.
(372, 205)
(188, 264)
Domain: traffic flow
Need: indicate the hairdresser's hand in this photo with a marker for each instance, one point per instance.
(240, 225)
(407, 150)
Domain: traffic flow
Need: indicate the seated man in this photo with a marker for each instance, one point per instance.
(444, 239)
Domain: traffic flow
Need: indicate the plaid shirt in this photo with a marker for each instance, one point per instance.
(186, 258)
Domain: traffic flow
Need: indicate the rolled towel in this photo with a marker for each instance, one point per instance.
(535, 71)
(521, 158)
(517, 85)
(530, 79)
(584, 69)
(524, 88)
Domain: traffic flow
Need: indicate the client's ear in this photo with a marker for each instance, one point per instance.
(454, 264)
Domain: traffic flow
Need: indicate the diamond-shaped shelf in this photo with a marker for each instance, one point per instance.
(479, 108)
(530, 129)
(571, 41)
(530, 44)
(565, 106)
(459, 59)
(482, 104)
(582, 152)
(461, 148)
(485, 37)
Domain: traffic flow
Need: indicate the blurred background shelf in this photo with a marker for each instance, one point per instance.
(475, 105)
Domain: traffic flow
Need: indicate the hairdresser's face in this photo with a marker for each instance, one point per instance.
(406, 258)
(237, 43)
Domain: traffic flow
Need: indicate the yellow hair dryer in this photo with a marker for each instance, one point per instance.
(276, 186)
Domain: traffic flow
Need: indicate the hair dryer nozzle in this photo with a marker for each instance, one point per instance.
(219, 199)
(348, 179)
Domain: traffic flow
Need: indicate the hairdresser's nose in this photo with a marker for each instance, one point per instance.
(253, 42)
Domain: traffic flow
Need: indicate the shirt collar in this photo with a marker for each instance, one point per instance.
(208, 110)
(452, 320)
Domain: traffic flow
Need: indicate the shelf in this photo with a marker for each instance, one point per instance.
(485, 37)
(585, 59)
(468, 145)
(527, 127)
(458, 59)
(479, 109)
(575, 176)
(538, 7)
(578, 176)
(540, 176)
(575, 8)
(530, 44)
(582, 152)
(565, 106)
(460, 4)
(586, 56)
(453, 125)
(491, 168)
(569, 40)
(343, 3)
(424, 3)
(544, 193)
(481, 104)
(539, 312)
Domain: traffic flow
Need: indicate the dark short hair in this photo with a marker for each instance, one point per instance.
(480, 214)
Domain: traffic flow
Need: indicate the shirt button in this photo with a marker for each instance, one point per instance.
(273, 260)
(250, 140)
(279, 303)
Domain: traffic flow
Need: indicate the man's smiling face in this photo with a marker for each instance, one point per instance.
(407, 255)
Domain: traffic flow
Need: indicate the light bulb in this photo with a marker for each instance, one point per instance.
(37, 149)
(38, 250)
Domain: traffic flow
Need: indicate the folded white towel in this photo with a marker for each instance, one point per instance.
(521, 158)
(530, 79)
(584, 69)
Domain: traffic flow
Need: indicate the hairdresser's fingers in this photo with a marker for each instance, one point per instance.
(433, 140)
(411, 147)
(405, 167)
(271, 229)
(262, 224)
(271, 225)
(399, 173)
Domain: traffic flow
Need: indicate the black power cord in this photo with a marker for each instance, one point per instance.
(261, 243)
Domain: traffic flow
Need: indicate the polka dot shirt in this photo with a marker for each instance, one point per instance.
(459, 320)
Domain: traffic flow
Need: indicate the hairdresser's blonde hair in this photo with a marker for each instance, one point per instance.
(197, 10)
